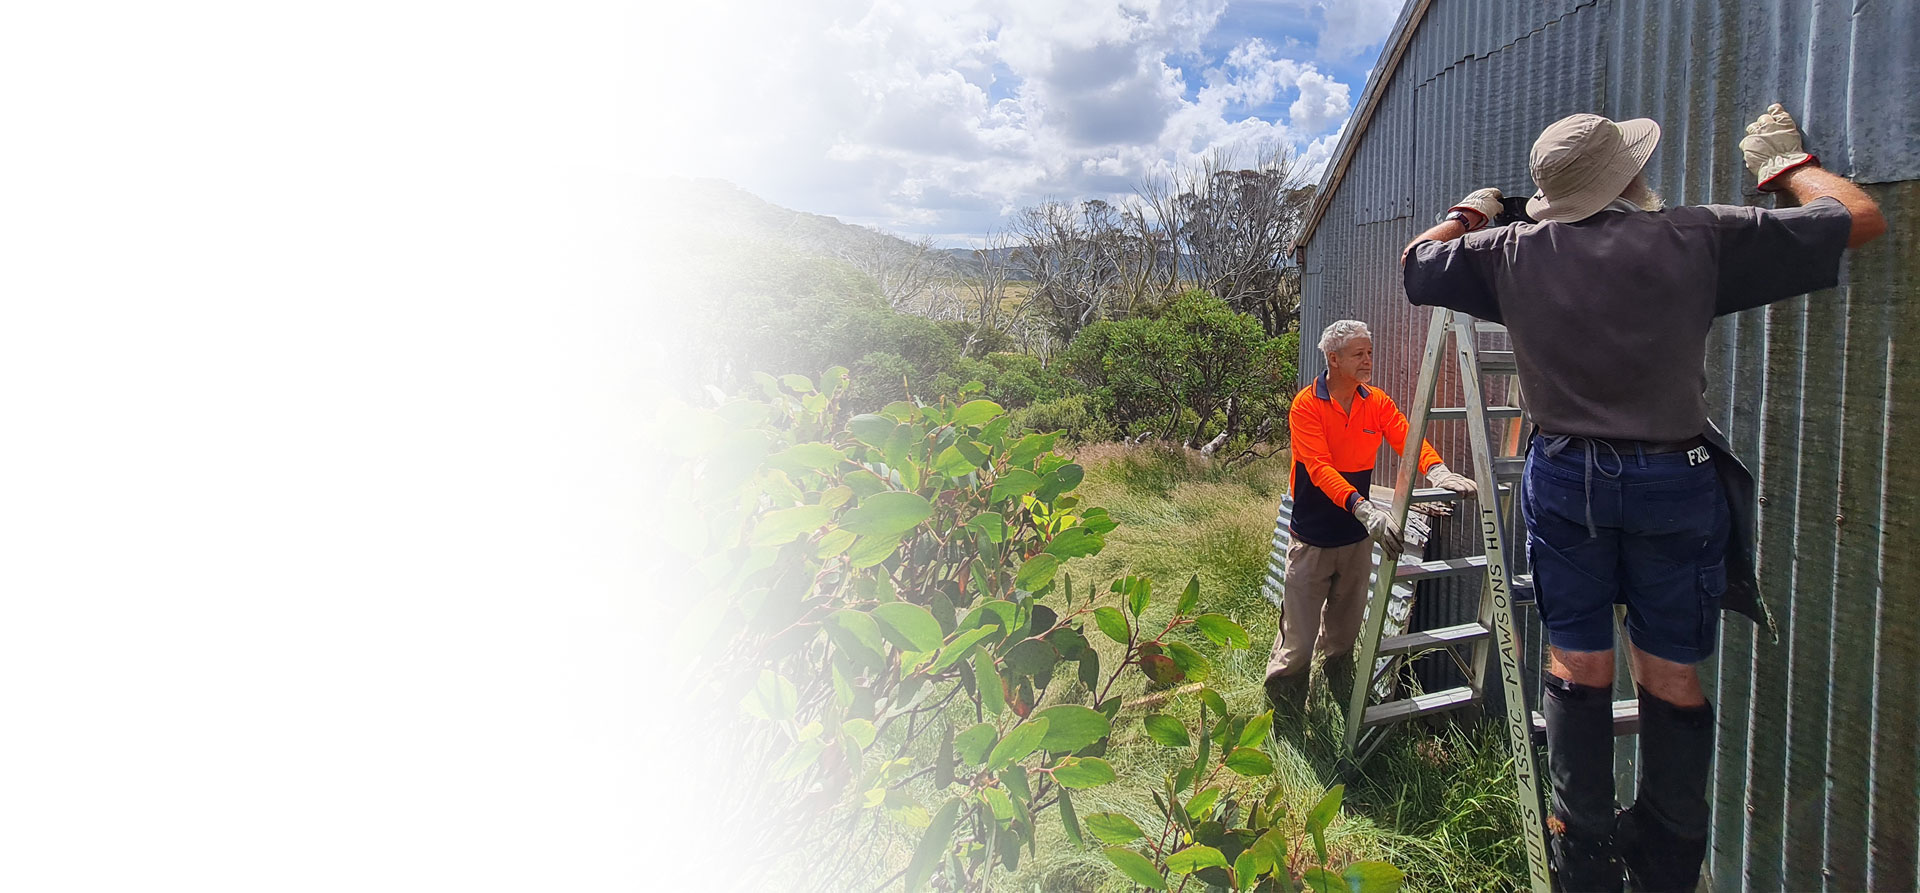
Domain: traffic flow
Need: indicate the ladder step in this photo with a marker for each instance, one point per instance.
(1509, 468)
(1433, 638)
(1490, 328)
(1409, 571)
(1437, 494)
(1418, 705)
(1626, 719)
(1498, 362)
(1522, 588)
(1458, 413)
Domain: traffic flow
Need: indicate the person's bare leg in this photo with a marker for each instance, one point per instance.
(1677, 684)
(1589, 668)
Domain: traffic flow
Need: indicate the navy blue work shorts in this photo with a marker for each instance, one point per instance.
(1652, 536)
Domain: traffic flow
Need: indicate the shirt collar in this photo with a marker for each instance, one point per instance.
(1620, 204)
(1320, 388)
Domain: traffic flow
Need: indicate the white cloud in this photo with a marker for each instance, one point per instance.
(923, 120)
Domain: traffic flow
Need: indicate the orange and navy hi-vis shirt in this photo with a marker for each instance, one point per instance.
(1333, 453)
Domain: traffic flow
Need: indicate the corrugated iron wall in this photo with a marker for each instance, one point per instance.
(1815, 784)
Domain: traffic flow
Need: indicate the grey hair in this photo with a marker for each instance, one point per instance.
(1341, 332)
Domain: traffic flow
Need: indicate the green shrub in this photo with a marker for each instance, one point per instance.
(1074, 414)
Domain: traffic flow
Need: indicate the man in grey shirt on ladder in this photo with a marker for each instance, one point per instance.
(1630, 496)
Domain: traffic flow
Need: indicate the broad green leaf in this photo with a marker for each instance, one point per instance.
(865, 483)
(973, 744)
(772, 698)
(1167, 731)
(1075, 542)
(1112, 623)
(987, 683)
(1136, 866)
(1248, 761)
(975, 452)
(1246, 870)
(1114, 828)
(1221, 631)
(1270, 850)
(1159, 667)
(1023, 740)
(1017, 482)
(1194, 858)
(1071, 821)
(806, 457)
(1015, 778)
(859, 731)
(933, 845)
(800, 384)
(900, 410)
(855, 632)
(997, 801)
(1213, 701)
(887, 514)
(785, 525)
(1083, 772)
(977, 412)
(993, 524)
(998, 611)
(1098, 521)
(1320, 880)
(1032, 657)
(796, 761)
(960, 646)
(953, 463)
(1030, 446)
(1037, 572)
(1071, 727)
(834, 543)
(908, 626)
(1140, 596)
(1372, 877)
(1328, 807)
(1198, 807)
(872, 430)
(1256, 730)
(1058, 482)
(1190, 662)
(1189, 597)
(868, 551)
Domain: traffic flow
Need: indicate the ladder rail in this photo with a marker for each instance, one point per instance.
(1402, 500)
(1497, 600)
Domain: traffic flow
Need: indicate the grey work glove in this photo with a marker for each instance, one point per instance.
(1380, 527)
(1773, 146)
(1443, 477)
(1484, 202)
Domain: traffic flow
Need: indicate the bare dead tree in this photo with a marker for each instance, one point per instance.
(1087, 261)
(902, 269)
(1233, 226)
(983, 286)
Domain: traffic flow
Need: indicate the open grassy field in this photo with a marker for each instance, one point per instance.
(1438, 804)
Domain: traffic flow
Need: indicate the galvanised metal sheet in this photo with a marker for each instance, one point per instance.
(1819, 749)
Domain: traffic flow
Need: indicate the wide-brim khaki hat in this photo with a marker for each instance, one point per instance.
(1582, 162)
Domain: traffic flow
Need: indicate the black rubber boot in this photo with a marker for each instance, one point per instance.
(1580, 763)
(1339, 672)
(1288, 695)
(1663, 836)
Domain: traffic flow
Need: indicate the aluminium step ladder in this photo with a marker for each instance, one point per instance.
(1469, 645)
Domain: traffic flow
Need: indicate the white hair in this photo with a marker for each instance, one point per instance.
(1343, 331)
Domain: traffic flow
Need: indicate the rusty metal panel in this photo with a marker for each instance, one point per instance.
(1815, 782)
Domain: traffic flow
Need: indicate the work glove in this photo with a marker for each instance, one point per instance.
(1380, 527)
(1443, 477)
(1773, 146)
(1484, 202)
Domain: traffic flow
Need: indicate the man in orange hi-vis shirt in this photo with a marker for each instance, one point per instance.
(1337, 424)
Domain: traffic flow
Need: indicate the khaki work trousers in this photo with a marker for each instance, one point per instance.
(1324, 600)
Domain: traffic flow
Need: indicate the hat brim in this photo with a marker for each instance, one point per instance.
(1638, 138)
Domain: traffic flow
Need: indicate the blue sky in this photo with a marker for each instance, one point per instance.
(944, 120)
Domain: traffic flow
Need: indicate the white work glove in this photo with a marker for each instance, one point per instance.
(1444, 478)
(1773, 146)
(1380, 527)
(1484, 202)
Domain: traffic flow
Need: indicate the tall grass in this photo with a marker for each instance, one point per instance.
(1440, 805)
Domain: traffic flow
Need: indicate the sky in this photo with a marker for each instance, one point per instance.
(941, 120)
